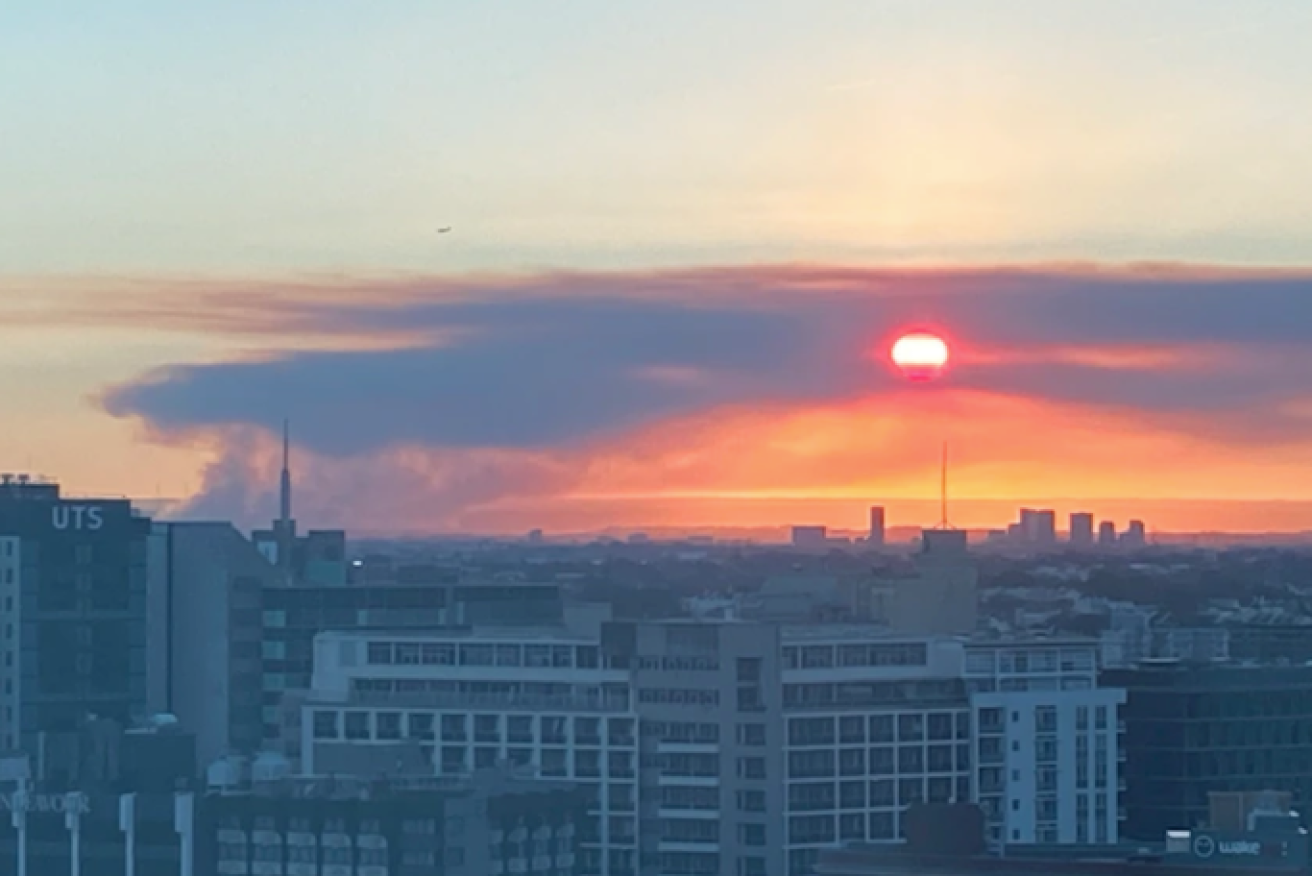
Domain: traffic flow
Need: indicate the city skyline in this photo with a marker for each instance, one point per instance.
(680, 242)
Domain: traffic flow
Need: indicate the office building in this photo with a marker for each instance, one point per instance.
(1107, 533)
(213, 580)
(459, 701)
(117, 818)
(709, 748)
(875, 538)
(74, 587)
(939, 596)
(1248, 835)
(1193, 730)
(1037, 527)
(1135, 535)
(1133, 639)
(1081, 531)
(1270, 644)
(383, 597)
(810, 537)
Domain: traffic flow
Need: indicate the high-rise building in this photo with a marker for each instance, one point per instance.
(1193, 730)
(73, 577)
(1045, 533)
(1038, 526)
(1081, 531)
(1047, 741)
(735, 747)
(876, 536)
(214, 579)
(1107, 533)
(1135, 535)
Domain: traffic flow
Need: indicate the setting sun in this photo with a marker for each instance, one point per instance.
(920, 355)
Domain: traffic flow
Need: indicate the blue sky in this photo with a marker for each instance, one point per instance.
(251, 136)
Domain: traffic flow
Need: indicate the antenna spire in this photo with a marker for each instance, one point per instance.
(285, 508)
(943, 490)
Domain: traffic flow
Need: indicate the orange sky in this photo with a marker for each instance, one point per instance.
(802, 454)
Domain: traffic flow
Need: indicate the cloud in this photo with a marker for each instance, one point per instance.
(561, 360)
(466, 394)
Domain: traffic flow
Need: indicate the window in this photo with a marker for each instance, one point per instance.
(749, 669)
(388, 725)
(751, 768)
(357, 725)
(379, 653)
(751, 734)
(519, 728)
(852, 729)
(487, 728)
(420, 725)
(325, 725)
(453, 728)
(751, 834)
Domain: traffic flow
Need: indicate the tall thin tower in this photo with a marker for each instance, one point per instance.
(285, 493)
(286, 525)
(943, 522)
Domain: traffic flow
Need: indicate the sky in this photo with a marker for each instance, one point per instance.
(683, 237)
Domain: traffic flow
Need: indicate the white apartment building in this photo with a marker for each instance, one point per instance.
(736, 748)
(1048, 741)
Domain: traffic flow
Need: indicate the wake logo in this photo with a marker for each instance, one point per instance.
(77, 517)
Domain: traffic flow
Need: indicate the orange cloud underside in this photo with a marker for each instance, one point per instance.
(999, 446)
(747, 467)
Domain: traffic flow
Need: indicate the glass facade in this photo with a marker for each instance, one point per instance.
(1192, 730)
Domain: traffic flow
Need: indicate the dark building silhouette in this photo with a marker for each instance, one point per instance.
(73, 577)
(1081, 529)
(210, 579)
(1192, 731)
(876, 535)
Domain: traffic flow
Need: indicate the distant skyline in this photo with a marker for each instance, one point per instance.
(681, 237)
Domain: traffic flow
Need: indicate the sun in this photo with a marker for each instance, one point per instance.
(920, 355)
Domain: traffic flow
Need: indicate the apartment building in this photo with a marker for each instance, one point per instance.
(1049, 741)
(738, 748)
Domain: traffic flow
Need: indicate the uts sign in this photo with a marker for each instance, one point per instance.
(81, 517)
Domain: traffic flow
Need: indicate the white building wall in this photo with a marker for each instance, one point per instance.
(582, 734)
(1061, 771)
(870, 761)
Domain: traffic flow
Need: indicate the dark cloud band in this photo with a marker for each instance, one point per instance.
(558, 360)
